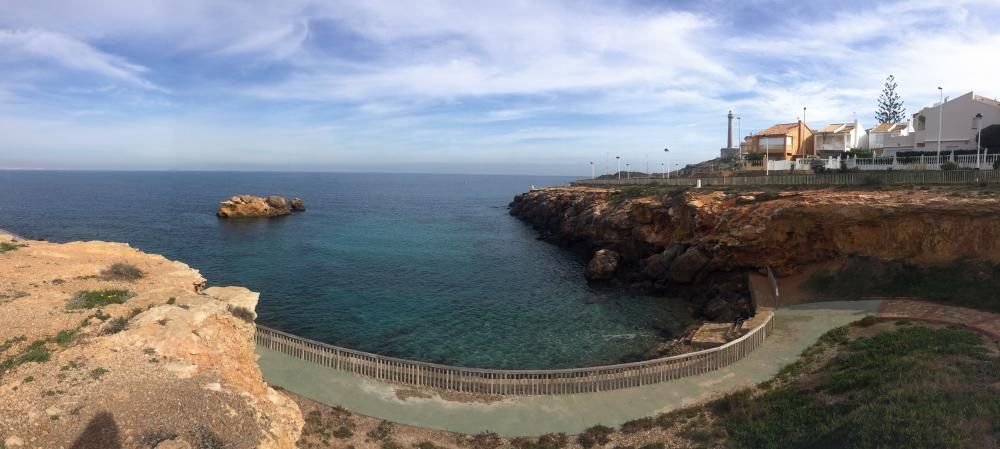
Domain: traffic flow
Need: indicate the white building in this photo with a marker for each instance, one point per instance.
(958, 124)
(838, 138)
(890, 138)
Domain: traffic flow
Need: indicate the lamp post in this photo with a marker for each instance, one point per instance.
(619, 159)
(979, 136)
(940, 122)
(739, 132)
(663, 170)
(592, 177)
(628, 173)
(667, 151)
(767, 155)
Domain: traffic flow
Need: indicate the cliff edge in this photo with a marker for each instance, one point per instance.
(701, 243)
(104, 346)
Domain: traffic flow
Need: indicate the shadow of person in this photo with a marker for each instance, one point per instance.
(101, 433)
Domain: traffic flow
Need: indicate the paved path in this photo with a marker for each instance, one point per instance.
(796, 327)
(985, 322)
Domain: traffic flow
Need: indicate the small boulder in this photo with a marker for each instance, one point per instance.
(603, 265)
(298, 205)
(686, 266)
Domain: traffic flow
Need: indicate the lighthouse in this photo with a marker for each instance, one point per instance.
(729, 152)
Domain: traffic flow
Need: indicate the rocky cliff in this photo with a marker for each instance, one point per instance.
(104, 346)
(247, 206)
(700, 243)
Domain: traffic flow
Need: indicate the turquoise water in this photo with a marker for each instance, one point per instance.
(426, 267)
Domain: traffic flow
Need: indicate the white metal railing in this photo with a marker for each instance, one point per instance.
(514, 382)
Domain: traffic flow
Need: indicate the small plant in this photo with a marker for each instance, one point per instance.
(97, 373)
(122, 271)
(7, 247)
(89, 299)
(11, 342)
(29, 379)
(949, 166)
(116, 325)
(136, 311)
(486, 440)
(162, 322)
(426, 445)
(599, 435)
(381, 432)
(100, 315)
(837, 335)
(65, 337)
(639, 425)
(241, 312)
(868, 321)
(171, 301)
(389, 444)
(36, 352)
(343, 433)
(653, 446)
(204, 438)
(58, 281)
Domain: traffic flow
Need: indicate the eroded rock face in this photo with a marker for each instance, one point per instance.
(247, 206)
(170, 365)
(682, 242)
(602, 266)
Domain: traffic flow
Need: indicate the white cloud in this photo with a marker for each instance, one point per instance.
(71, 54)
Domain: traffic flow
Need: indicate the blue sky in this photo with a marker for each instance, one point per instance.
(541, 87)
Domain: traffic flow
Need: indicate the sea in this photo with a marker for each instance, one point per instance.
(418, 266)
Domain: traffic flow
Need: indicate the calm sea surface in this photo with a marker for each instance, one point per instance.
(426, 267)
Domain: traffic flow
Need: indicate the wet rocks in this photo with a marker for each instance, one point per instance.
(603, 265)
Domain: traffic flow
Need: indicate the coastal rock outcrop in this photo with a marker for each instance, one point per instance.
(246, 206)
(701, 243)
(92, 359)
(603, 265)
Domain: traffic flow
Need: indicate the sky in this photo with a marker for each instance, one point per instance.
(529, 87)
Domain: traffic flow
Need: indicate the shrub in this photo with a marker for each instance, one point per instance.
(551, 441)
(7, 247)
(98, 372)
(241, 312)
(867, 321)
(122, 271)
(36, 352)
(837, 335)
(171, 301)
(381, 432)
(389, 444)
(638, 425)
(653, 446)
(88, 299)
(486, 440)
(116, 325)
(343, 432)
(65, 337)
(818, 166)
(599, 435)
(426, 445)
(204, 438)
(949, 165)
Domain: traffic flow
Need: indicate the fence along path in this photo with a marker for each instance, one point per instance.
(855, 178)
(514, 382)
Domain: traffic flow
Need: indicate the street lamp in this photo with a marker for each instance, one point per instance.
(667, 151)
(592, 170)
(739, 132)
(628, 173)
(619, 159)
(940, 122)
(979, 136)
(663, 169)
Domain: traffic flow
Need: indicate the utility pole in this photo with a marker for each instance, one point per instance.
(940, 122)
(592, 177)
(619, 159)
(667, 151)
(979, 136)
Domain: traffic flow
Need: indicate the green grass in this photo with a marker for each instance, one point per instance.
(8, 247)
(116, 325)
(963, 283)
(65, 337)
(97, 373)
(913, 387)
(89, 299)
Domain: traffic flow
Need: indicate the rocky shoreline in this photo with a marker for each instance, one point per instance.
(102, 345)
(701, 244)
(251, 206)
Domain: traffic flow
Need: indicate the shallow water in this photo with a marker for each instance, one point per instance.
(426, 267)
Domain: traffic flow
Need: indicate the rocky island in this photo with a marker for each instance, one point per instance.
(104, 346)
(249, 206)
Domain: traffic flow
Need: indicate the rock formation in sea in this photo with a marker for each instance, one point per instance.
(102, 345)
(246, 206)
(701, 243)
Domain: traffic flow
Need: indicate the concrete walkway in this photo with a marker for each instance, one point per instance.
(979, 320)
(796, 327)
